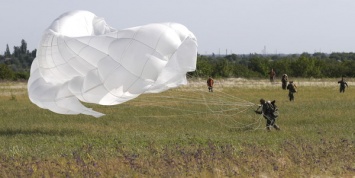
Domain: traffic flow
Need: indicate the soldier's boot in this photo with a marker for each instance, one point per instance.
(276, 127)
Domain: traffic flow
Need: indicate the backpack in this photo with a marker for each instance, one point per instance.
(273, 108)
(291, 87)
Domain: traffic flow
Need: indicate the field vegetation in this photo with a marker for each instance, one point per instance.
(191, 133)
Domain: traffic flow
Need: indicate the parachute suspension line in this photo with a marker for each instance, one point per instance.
(244, 101)
(206, 104)
(217, 107)
(242, 106)
(260, 118)
(218, 113)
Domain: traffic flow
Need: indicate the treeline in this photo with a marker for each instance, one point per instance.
(16, 65)
(317, 65)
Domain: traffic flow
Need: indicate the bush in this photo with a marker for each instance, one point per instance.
(21, 76)
(5, 72)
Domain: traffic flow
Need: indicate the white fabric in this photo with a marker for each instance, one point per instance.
(81, 58)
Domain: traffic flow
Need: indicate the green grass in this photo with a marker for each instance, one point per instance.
(189, 134)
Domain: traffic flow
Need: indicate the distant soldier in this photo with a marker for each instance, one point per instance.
(270, 113)
(284, 81)
(292, 88)
(210, 83)
(272, 75)
(342, 83)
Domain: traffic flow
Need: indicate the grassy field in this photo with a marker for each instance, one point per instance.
(185, 132)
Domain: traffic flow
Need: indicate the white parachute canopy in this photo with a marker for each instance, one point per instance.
(81, 58)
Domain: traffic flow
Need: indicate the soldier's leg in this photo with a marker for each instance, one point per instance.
(273, 124)
(268, 124)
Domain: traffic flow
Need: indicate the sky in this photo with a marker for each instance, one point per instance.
(220, 26)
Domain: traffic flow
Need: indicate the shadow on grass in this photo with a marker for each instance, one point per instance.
(38, 131)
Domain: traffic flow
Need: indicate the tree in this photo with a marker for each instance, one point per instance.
(240, 70)
(7, 52)
(204, 67)
(259, 64)
(320, 55)
(33, 53)
(282, 66)
(332, 68)
(306, 66)
(17, 51)
(223, 68)
(348, 67)
(23, 47)
(5, 72)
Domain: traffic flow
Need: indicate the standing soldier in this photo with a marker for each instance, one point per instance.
(342, 83)
(210, 83)
(284, 81)
(292, 88)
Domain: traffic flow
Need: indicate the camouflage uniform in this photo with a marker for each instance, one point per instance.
(342, 85)
(284, 81)
(272, 75)
(291, 89)
(267, 110)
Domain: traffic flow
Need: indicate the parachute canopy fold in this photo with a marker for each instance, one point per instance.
(82, 59)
